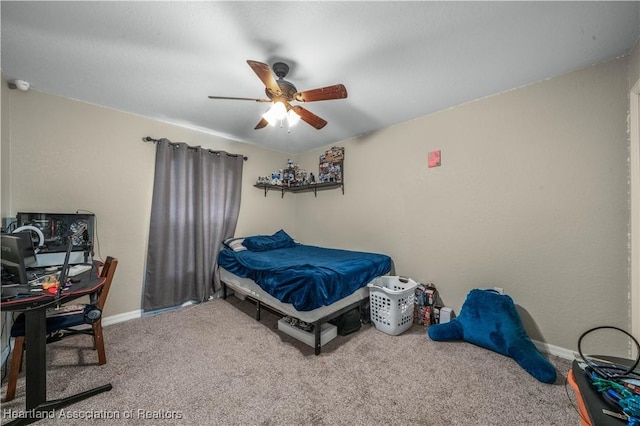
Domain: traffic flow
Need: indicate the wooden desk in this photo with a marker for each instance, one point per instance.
(593, 401)
(35, 309)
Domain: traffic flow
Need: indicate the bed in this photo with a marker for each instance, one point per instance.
(310, 283)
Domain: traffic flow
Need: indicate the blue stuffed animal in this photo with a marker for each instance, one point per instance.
(490, 320)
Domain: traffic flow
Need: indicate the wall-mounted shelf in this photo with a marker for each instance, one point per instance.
(330, 175)
(305, 188)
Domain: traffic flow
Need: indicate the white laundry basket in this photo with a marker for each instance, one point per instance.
(391, 300)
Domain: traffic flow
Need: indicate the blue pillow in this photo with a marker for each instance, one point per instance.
(269, 242)
(490, 320)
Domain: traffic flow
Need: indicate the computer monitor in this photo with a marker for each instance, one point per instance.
(12, 258)
(28, 249)
(56, 229)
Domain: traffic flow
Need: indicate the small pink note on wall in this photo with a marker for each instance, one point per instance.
(434, 159)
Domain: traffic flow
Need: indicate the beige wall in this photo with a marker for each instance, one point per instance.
(4, 182)
(634, 65)
(68, 155)
(634, 154)
(532, 196)
(4, 148)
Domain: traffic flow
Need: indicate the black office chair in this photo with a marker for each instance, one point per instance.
(59, 327)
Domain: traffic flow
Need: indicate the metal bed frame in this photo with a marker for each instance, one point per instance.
(317, 325)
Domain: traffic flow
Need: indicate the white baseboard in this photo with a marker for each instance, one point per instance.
(114, 319)
(554, 350)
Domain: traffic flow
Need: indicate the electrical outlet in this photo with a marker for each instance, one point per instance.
(499, 290)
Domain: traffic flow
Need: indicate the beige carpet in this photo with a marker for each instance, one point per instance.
(214, 364)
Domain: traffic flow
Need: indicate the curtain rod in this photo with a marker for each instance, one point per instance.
(150, 139)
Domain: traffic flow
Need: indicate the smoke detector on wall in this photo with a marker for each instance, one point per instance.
(21, 85)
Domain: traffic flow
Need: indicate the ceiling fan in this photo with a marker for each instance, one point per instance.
(281, 93)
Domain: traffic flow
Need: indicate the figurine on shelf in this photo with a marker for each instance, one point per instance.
(312, 179)
(276, 178)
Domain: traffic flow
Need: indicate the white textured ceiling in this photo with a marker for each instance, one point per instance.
(398, 60)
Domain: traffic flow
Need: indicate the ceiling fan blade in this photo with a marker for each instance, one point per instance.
(309, 117)
(240, 99)
(337, 91)
(262, 123)
(264, 73)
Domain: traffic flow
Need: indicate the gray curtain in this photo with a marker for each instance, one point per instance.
(196, 200)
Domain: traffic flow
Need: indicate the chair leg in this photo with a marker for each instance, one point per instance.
(16, 363)
(18, 353)
(98, 342)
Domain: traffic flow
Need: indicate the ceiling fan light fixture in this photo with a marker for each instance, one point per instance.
(292, 118)
(276, 113)
(281, 93)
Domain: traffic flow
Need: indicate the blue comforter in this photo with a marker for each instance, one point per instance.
(307, 277)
